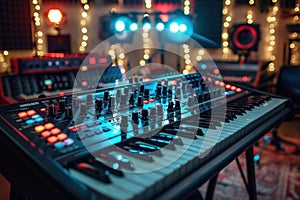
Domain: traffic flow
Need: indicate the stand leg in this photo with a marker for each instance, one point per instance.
(211, 187)
(251, 174)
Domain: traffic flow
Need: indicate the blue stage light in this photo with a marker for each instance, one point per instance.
(134, 26)
(174, 27)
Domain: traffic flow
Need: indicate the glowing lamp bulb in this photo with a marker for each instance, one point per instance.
(160, 26)
(55, 16)
(120, 26)
(146, 26)
(174, 27)
(182, 28)
(133, 26)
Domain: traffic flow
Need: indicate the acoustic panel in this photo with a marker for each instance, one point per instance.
(15, 25)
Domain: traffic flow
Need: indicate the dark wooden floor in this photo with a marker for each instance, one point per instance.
(288, 129)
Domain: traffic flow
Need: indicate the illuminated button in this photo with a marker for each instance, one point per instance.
(39, 119)
(52, 140)
(49, 126)
(59, 145)
(39, 128)
(45, 134)
(238, 89)
(146, 102)
(68, 142)
(62, 136)
(35, 116)
(151, 100)
(22, 115)
(55, 131)
(31, 113)
(29, 121)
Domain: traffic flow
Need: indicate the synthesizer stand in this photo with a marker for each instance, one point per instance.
(34, 174)
(211, 168)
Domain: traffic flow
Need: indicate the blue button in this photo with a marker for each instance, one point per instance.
(29, 121)
(35, 116)
(59, 145)
(68, 142)
(39, 119)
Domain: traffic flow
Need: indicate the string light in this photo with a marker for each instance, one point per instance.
(227, 18)
(148, 4)
(272, 23)
(3, 61)
(38, 33)
(186, 8)
(146, 45)
(83, 22)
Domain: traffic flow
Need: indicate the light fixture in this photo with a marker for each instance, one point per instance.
(146, 23)
(134, 24)
(159, 25)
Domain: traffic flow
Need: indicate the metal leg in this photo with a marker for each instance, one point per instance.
(211, 187)
(242, 174)
(251, 173)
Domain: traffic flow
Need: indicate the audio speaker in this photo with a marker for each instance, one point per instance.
(244, 38)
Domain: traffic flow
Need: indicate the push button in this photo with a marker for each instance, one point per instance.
(22, 115)
(55, 131)
(49, 126)
(62, 136)
(31, 113)
(52, 140)
(39, 129)
(45, 134)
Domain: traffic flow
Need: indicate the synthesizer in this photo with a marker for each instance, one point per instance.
(147, 139)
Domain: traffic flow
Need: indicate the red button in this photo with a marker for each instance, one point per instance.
(146, 102)
(22, 115)
(55, 131)
(31, 113)
(62, 136)
(52, 140)
(49, 126)
(45, 134)
(151, 100)
(39, 128)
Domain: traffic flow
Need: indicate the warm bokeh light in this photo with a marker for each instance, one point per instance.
(55, 16)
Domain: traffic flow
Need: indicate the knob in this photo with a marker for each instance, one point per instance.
(145, 114)
(74, 102)
(123, 100)
(68, 112)
(152, 112)
(177, 104)
(142, 88)
(159, 109)
(191, 101)
(158, 89)
(51, 110)
(135, 116)
(126, 90)
(106, 95)
(89, 99)
(62, 102)
(112, 103)
(164, 90)
(131, 98)
(124, 121)
(82, 109)
(146, 93)
(98, 104)
(170, 106)
(140, 101)
(118, 94)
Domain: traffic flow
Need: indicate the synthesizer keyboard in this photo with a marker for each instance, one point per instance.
(155, 139)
